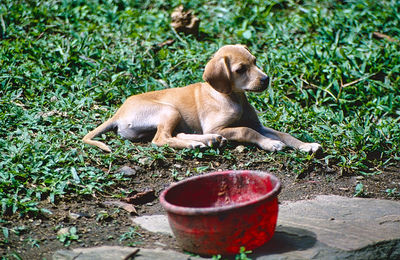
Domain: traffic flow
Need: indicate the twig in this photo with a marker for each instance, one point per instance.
(109, 168)
(305, 81)
(132, 254)
(177, 36)
(355, 81)
(351, 83)
(384, 36)
(318, 87)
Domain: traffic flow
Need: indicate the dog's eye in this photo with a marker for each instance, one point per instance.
(241, 70)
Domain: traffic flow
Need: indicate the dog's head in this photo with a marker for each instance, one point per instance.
(233, 69)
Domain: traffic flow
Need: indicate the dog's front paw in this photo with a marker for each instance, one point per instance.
(272, 145)
(217, 141)
(310, 147)
(195, 144)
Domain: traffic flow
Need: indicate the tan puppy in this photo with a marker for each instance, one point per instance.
(202, 114)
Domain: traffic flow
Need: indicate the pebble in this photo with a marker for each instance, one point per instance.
(240, 148)
(63, 231)
(127, 171)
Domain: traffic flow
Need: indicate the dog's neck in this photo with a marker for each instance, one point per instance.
(234, 95)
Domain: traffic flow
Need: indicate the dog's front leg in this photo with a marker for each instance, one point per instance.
(291, 141)
(249, 135)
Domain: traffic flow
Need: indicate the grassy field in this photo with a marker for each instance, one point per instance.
(66, 66)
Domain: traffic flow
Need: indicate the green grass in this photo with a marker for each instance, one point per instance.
(66, 66)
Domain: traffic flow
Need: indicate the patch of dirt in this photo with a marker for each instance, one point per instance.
(99, 222)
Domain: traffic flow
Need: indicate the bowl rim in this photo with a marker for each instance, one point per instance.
(180, 210)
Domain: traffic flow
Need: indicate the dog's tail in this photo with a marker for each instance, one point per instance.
(101, 129)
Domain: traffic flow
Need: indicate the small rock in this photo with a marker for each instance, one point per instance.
(145, 161)
(74, 215)
(240, 148)
(178, 166)
(127, 171)
(154, 223)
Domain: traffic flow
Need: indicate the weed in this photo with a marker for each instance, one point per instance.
(392, 192)
(33, 242)
(104, 215)
(6, 235)
(243, 255)
(68, 236)
(359, 190)
(132, 234)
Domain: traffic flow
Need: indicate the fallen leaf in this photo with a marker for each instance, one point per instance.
(185, 21)
(126, 206)
(141, 197)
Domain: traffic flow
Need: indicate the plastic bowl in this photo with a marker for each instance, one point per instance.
(217, 213)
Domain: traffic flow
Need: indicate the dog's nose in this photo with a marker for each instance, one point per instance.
(265, 80)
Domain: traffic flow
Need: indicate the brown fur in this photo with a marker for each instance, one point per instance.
(202, 114)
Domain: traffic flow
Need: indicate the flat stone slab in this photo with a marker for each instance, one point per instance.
(118, 252)
(328, 227)
(102, 253)
(334, 227)
(154, 223)
(344, 223)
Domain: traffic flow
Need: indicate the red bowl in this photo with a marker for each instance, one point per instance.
(217, 213)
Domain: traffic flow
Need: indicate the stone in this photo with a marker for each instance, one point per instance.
(327, 227)
(160, 254)
(118, 252)
(154, 223)
(127, 171)
(100, 253)
(240, 148)
(334, 227)
(358, 221)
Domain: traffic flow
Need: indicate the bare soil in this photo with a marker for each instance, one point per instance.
(99, 223)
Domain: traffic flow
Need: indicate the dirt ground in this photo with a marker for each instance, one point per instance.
(100, 221)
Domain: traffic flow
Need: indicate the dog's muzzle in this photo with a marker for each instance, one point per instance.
(264, 82)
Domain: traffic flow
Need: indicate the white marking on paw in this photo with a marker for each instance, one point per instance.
(310, 147)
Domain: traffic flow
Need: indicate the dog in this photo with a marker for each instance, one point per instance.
(203, 114)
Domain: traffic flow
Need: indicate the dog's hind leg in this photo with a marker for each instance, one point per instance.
(169, 120)
(207, 139)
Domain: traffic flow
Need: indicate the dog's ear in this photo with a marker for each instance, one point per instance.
(218, 74)
(244, 46)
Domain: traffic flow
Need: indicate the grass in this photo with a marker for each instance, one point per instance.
(66, 66)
